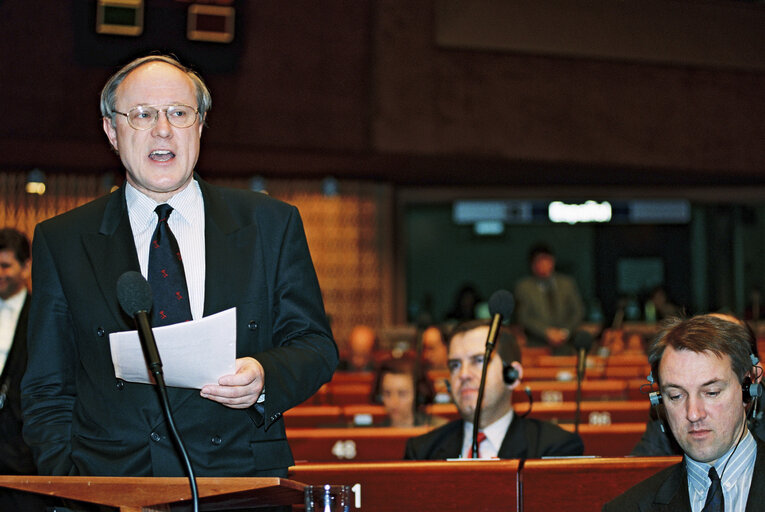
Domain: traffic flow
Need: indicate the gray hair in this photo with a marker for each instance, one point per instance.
(109, 92)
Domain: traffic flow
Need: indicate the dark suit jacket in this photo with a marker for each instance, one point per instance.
(525, 439)
(15, 456)
(81, 420)
(667, 491)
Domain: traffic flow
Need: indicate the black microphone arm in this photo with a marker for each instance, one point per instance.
(500, 307)
(582, 341)
(135, 297)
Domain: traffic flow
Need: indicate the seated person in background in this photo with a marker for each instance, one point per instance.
(465, 303)
(704, 371)
(362, 345)
(506, 435)
(434, 353)
(657, 440)
(549, 306)
(403, 390)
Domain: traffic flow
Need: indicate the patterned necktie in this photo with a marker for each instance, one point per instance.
(481, 438)
(715, 501)
(166, 276)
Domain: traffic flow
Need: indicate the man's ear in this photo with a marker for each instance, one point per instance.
(111, 132)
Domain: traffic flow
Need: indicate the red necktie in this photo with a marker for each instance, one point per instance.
(481, 438)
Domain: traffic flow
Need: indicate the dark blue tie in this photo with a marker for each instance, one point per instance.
(715, 501)
(166, 276)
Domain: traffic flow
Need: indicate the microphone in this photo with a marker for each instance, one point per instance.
(134, 295)
(501, 305)
(582, 341)
(135, 298)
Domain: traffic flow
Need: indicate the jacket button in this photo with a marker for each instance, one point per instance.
(100, 332)
(216, 440)
(120, 384)
(155, 437)
(252, 325)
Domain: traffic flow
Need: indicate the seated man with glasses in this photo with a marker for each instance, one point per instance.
(237, 248)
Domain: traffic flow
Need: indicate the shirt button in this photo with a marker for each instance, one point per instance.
(120, 384)
(100, 332)
(216, 440)
(155, 437)
(252, 325)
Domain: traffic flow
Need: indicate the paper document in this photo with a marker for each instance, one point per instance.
(193, 353)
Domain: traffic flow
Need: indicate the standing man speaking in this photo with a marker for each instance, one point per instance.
(235, 248)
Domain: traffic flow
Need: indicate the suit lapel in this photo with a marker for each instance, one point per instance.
(672, 496)
(227, 253)
(450, 446)
(756, 489)
(112, 251)
(514, 445)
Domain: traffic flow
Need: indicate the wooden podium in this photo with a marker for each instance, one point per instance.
(134, 494)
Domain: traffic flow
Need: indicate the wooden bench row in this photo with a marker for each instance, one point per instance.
(591, 412)
(542, 391)
(386, 443)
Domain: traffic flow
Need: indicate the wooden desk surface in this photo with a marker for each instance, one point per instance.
(569, 484)
(422, 486)
(584, 484)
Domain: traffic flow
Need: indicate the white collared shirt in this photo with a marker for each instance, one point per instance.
(735, 469)
(10, 310)
(495, 434)
(187, 222)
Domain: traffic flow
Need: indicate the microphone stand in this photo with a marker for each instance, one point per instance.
(493, 331)
(155, 366)
(580, 364)
(479, 400)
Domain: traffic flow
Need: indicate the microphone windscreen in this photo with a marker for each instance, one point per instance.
(134, 293)
(501, 302)
(582, 340)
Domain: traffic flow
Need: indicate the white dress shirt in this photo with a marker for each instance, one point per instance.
(495, 434)
(735, 468)
(187, 222)
(9, 316)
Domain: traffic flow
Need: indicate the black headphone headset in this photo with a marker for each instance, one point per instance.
(510, 373)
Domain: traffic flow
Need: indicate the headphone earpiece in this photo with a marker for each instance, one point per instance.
(750, 390)
(653, 396)
(509, 373)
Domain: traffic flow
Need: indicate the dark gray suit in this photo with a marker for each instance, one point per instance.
(81, 420)
(533, 310)
(667, 490)
(526, 438)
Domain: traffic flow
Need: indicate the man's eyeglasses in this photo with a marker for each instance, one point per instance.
(144, 117)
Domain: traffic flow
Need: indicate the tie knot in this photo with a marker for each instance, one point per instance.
(481, 437)
(163, 211)
(713, 475)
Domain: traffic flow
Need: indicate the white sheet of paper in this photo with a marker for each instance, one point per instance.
(193, 353)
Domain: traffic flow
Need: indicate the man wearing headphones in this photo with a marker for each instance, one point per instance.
(658, 441)
(501, 433)
(707, 383)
